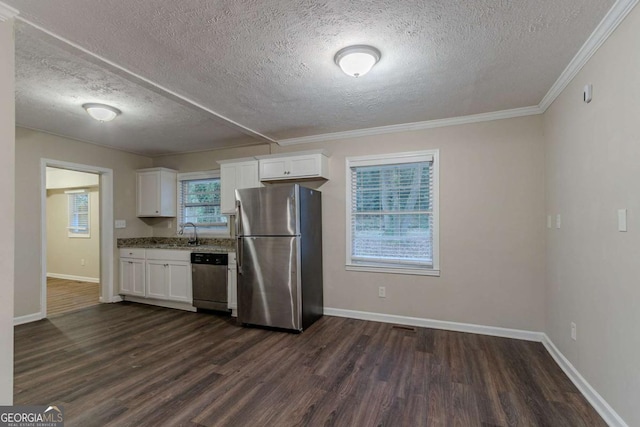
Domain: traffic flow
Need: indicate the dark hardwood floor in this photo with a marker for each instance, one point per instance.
(134, 365)
(65, 295)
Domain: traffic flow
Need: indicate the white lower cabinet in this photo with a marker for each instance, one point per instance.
(156, 273)
(169, 280)
(232, 285)
(132, 277)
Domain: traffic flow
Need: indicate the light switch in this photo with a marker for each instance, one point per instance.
(121, 223)
(622, 220)
(548, 221)
(558, 221)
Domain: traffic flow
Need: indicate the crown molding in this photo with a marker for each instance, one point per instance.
(227, 121)
(406, 127)
(7, 12)
(605, 28)
(609, 23)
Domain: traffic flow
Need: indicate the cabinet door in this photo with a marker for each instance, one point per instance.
(228, 183)
(304, 166)
(157, 279)
(236, 176)
(247, 175)
(132, 277)
(148, 193)
(179, 281)
(273, 168)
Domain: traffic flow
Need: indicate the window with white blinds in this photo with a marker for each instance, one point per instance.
(392, 213)
(199, 202)
(79, 219)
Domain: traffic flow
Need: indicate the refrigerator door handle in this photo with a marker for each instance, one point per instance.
(239, 251)
(238, 218)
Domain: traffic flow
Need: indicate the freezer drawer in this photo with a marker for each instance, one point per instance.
(269, 282)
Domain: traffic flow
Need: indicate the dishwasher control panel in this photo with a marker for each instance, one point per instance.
(209, 258)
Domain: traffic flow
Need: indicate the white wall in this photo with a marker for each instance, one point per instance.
(7, 156)
(63, 178)
(31, 147)
(65, 254)
(593, 169)
(492, 225)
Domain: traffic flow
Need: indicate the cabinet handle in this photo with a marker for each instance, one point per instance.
(166, 265)
(156, 211)
(130, 262)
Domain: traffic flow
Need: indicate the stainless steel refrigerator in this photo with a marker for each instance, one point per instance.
(279, 256)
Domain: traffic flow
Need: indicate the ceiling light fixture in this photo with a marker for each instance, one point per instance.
(102, 112)
(357, 60)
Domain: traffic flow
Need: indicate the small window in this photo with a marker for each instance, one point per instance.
(392, 213)
(199, 203)
(79, 222)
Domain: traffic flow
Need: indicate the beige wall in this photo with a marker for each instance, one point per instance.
(64, 253)
(31, 146)
(7, 146)
(491, 219)
(593, 169)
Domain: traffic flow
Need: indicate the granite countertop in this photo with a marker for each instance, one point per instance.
(214, 245)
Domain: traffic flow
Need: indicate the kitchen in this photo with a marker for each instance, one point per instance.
(503, 179)
(157, 271)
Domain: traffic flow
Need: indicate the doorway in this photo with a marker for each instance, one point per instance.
(73, 240)
(77, 237)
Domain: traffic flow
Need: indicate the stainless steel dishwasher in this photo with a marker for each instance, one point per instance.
(209, 280)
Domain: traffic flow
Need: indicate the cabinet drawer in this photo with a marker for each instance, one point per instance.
(132, 253)
(169, 255)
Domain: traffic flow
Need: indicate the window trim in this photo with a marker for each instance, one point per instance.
(188, 176)
(78, 234)
(387, 159)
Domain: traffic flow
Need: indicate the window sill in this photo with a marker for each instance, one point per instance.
(391, 270)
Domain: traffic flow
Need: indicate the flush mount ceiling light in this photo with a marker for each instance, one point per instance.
(357, 60)
(102, 112)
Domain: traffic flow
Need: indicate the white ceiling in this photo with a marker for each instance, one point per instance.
(268, 65)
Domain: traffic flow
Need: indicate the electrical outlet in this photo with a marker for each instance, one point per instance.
(82, 262)
(382, 292)
(558, 221)
(574, 331)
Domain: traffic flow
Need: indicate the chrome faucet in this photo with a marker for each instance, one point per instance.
(194, 239)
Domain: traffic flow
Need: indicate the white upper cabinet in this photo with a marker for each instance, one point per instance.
(236, 174)
(156, 192)
(292, 166)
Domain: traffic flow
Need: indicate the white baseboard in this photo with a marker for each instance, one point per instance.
(607, 413)
(437, 324)
(21, 320)
(71, 277)
(113, 299)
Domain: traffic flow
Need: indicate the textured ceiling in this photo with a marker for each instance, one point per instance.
(268, 64)
(54, 80)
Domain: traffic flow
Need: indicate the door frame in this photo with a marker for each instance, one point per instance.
(106, 228)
